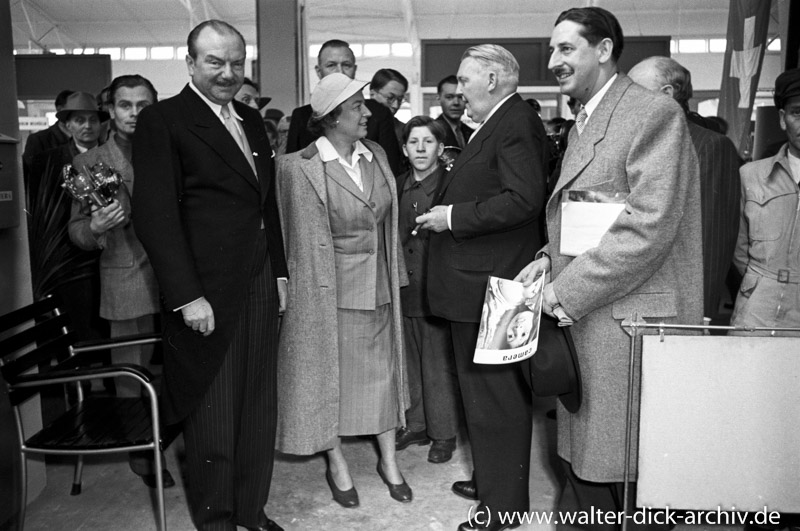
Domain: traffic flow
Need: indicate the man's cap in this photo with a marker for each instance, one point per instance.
(81, 101)
(332, 91)
(787, 86)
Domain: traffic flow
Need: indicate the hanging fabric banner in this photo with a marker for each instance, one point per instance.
(748, 21)
(791, 39)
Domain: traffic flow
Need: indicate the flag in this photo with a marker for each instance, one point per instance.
(748, 21)
(791, 39)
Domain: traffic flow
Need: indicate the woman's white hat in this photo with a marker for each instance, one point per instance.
(331, 91)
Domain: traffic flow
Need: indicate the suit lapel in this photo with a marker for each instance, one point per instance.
(475, 145)
(314, 170)
(212, 132)
(337, 174)
(119, 162)
(254, 138)
(367, 177)
(381, 169)
(581, 148)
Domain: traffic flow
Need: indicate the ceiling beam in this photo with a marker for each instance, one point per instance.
(35, 17)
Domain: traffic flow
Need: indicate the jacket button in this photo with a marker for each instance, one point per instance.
(371, 251)
(411, 251)
(410, 272)
(372, 204)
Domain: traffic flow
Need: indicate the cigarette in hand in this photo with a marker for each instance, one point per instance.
(416, 229)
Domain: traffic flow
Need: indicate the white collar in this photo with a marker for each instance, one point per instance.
(328, 153)
(216, 108)
(592, 104)
(494, 109)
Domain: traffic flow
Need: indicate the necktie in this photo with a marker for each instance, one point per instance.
(459, 136)
(580, 120)
(236, 133)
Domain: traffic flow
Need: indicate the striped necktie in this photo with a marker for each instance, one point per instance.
(236, 133)
(580, 120)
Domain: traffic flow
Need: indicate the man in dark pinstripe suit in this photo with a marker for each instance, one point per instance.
(719, 178)
(207, 217)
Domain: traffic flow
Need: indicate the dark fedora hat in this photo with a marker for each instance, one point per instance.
(81, 102)
(273, 114)
(554, 368)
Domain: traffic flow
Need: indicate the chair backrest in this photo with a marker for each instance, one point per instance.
(32, 336)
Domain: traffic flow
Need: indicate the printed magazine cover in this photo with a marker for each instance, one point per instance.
(509, 329)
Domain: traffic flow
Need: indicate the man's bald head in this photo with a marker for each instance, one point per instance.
(664, 74)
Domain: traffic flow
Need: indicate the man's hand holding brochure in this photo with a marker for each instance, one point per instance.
(509, 329)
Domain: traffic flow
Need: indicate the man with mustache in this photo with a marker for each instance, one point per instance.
(207, 216)
(649, 263)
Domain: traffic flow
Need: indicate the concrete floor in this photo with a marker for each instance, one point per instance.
(115, 499)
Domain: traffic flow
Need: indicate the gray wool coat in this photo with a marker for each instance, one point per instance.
(649, 262)
(308, 356)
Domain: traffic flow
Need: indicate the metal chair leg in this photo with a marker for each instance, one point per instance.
(24, 488)
(162, 515)
(76, 480)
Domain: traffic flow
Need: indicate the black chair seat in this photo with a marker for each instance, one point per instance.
(36, 352)
(98, 423)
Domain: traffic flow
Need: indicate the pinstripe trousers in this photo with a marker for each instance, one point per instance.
(230, 437)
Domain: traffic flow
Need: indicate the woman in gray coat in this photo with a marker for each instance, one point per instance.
(341, 354)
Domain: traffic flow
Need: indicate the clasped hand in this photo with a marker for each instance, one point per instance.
(107, 217)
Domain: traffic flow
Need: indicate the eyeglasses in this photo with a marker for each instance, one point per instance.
(391, 99)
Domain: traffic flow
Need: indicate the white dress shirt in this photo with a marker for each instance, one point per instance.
(328, 153)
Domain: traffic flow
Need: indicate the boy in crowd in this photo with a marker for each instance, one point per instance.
(433, 413)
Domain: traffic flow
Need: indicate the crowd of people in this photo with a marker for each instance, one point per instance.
(322, 274)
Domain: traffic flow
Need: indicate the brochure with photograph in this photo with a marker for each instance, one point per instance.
(509, 329)
(586, 216)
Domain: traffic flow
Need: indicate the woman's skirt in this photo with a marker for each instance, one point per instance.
(367, 380)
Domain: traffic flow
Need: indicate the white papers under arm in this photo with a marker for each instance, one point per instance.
(586, 217)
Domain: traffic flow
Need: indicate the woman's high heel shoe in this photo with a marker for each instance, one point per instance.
(346, 498)
(401, 492)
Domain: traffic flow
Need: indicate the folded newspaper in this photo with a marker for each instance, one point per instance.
(509, 329)
(586, 216)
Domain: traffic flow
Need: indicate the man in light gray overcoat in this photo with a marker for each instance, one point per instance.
(630, 141)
